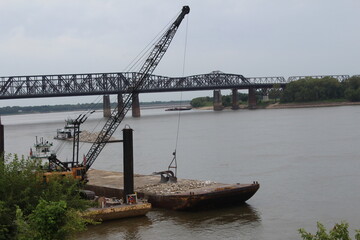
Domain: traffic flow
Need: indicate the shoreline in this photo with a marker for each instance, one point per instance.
(310, 105)
(291, 105)
(242, 106)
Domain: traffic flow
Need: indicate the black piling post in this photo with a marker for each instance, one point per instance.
(2, 141)
(128, 162)
(2, 150)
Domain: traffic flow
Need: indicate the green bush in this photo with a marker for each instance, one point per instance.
(23, 193)
(201, 102)
(49, 220)
(208, 101)
(339, 232)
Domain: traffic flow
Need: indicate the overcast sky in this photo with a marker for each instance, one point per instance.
(248, 37)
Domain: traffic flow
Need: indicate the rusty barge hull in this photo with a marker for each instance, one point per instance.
(219, 197)
(109, 184)
(117, 212)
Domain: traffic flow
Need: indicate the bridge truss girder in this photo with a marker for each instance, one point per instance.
(114, 83)
(340, 78)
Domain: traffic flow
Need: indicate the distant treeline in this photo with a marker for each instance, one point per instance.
(327, 88)
(303, 90)
(73, 107)
(208, 101)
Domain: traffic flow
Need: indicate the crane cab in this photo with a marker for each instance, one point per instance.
(78, 173)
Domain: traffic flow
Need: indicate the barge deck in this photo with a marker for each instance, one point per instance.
(183, 195)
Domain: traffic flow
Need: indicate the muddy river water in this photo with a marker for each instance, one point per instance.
(307, 162)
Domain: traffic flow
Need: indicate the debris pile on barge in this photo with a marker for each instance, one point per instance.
(172, 188)
(90, 137)
(84, 136)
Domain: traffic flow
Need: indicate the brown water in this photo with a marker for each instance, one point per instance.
(306, 160)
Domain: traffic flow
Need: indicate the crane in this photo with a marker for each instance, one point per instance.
(119, 112)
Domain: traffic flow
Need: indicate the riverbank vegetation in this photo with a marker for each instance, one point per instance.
(208, 101)
(327, 88)
(32, 209)
(307, 90)
(338, 232)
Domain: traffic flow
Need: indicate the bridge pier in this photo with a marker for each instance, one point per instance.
(106, 106)
(235, 99)
(252, 98)
(135, 105)
(217, 100)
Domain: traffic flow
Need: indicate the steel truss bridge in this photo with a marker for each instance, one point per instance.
(114, 83)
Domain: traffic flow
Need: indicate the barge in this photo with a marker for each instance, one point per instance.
(117, 212)
(178, 109)
(183, 195)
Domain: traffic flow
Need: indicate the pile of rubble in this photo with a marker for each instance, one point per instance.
(86, 136)
(172, 188)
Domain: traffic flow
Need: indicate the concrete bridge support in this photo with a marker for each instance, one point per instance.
(217, 101)
(235, 99)
(252, 98)
(135, 105)
(106, 106)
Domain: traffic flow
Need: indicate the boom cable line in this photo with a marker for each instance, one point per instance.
(133, 66)
(173, 163)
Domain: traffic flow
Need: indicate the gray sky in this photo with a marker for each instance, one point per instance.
(248, 37)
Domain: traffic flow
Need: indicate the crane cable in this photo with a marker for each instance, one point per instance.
(134, 64)
(173, 163)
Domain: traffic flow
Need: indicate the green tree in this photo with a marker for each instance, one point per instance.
(49, 220)
(338, 232)
(22, 190)
(243, 97)
(352, 88)
(275, 92)
(201, 102)
(226, 100)
(313, 89)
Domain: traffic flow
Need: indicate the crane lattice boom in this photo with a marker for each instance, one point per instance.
(147, 68)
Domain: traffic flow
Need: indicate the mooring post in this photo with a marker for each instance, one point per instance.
(128, 162)
(106, 106)
(2, 141)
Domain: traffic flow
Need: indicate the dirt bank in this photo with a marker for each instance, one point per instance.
(293, 105)
(309, 105)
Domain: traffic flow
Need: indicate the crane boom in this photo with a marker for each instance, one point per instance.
(147, 68)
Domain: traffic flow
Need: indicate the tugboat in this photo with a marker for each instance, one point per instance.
(178, 109)
(42, 149)
(63, 134)
(66, 132)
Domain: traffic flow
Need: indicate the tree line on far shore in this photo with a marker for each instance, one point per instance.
(327, 88)
(303, 90)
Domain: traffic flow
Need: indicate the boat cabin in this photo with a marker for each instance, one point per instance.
(42, 149)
